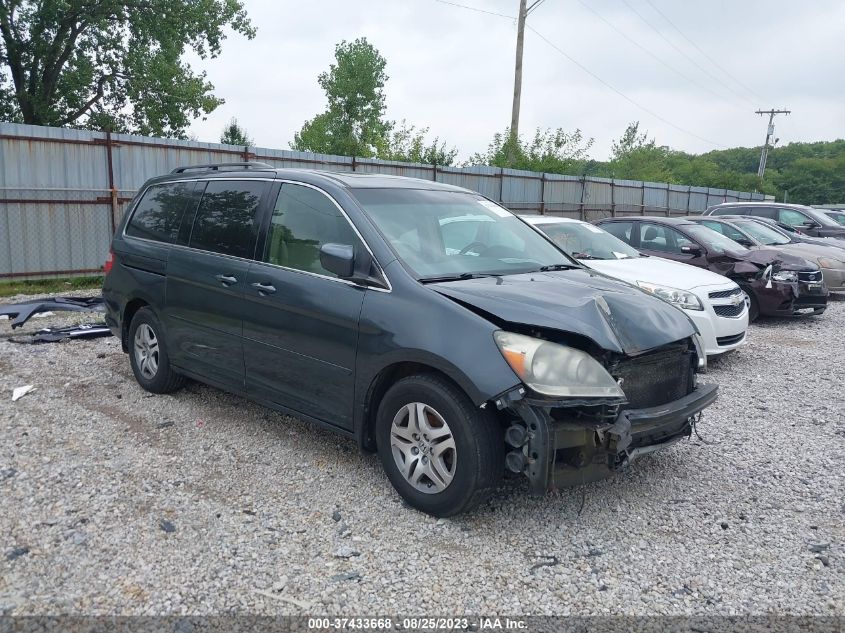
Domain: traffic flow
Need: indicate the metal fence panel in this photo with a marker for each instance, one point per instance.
(62, 191)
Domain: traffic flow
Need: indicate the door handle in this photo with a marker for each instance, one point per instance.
(226, 280)
(266, 289)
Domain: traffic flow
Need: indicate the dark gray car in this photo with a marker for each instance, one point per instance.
(807, 220)
(353, 301)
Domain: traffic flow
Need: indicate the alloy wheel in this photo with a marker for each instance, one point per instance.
(423, 447)
(146, 351)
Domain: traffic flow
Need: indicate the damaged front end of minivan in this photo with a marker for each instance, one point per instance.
(561, 441)
(614, 379)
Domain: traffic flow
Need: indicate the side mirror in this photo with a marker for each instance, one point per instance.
(744, 242)
(338, 259)
(809, 224)
(695, 251)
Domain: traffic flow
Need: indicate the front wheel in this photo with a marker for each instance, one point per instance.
(753, 304)
(442, 454)
(148, 354)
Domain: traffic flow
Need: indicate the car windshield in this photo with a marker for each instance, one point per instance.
(763, 234)
(585, 241)
(714, 241)
(442, 235)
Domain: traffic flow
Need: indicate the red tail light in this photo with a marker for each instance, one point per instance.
(109, 262)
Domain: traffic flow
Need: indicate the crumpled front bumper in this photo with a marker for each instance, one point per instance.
(566, 451)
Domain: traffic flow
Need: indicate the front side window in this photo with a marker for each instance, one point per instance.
(764, 234)
(726, 229)
(656, 237)
(714, 242)
(159, 212)
(449, 234)
(226, 218)
(793, 218)
(303, 220)
(585, 241)
(837, 217)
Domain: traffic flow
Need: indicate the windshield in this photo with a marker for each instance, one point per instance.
(763, 234)
(713, 241)
(444, 234)
(585, 241)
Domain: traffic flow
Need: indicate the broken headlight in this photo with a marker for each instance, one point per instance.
(675, 296)
(556, 370)
(785, 276)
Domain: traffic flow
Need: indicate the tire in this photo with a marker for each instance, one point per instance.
(458, 457)
(148, 354)
(754, 305)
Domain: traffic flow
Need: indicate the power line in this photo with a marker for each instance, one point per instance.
(654, 56)
(619, 92)
(705, 55)
(685, 54)
(590, 73)
(476, 9)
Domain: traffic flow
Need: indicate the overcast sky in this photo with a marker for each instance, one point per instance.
(451, 69)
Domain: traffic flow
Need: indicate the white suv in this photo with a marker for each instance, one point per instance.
(717, 306)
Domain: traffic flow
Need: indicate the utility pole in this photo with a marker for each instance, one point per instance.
(524, 10)
(769, 133)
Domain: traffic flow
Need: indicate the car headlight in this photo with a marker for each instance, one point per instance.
(785, 275)
(556, 370)
(826, 262)
(675, 296)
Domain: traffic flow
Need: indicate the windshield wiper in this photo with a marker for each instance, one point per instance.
(550, 267)
(461, 277)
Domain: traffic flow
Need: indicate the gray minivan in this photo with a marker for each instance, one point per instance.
(356, 302)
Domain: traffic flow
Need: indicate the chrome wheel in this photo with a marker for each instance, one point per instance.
(146, 351)
(423, 447)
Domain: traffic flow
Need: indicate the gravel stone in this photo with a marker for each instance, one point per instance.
(90, 460)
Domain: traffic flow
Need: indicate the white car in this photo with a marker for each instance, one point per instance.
(715, 304)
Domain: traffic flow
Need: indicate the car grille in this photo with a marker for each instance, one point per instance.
(729, 310)
(730, 340)
(722, 294)
(815, 275)
(656, 378)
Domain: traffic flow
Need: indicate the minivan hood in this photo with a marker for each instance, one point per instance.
(613, 314)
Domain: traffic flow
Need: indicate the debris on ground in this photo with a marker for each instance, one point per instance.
(56, 334)
(20, 313)
(20, 392)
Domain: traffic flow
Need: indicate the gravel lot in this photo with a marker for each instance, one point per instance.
(115, 501)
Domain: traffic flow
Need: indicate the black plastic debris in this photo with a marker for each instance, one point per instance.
(20, 313)
(55, 334)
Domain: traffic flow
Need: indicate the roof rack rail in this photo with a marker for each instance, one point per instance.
(222, 167)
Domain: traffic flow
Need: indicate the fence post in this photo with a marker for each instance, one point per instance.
(581, 215)
(354, 163)
(501, 184)
(112, 190)
(434, 174)
(612, 198)
(543, 193)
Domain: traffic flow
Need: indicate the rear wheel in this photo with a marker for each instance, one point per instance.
(148, 354)
(442, 454)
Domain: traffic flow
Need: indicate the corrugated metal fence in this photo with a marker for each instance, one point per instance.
(62, 191)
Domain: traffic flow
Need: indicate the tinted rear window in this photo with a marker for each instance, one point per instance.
(225, 221)
(159, 212)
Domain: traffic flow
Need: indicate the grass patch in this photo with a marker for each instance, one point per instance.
(43, 286)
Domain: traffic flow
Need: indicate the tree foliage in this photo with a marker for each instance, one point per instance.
(234, 134)
(353, 124)
(111, 64)
(550, 151)
(407, 143)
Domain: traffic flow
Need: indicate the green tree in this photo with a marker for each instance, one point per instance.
(408, 144)
(550, 151)
(234, 134)
(353, 124)
(110, 63)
